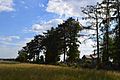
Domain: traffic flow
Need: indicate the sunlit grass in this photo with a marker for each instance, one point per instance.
(49, 72)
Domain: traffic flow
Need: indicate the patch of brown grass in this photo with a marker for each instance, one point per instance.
(50, 72)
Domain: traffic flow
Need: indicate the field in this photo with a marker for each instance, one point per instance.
(48, 72)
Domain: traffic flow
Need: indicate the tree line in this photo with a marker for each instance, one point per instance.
(104, 18)
(53, 43)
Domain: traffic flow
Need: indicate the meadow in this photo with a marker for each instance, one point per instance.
(24, 71)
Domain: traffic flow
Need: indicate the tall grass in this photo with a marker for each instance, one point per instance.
(49, 72)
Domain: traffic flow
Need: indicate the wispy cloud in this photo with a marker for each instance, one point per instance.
(14, 41)
(41, 5)
(6, 5)
(23, 2)
(41, 27)
(68, 7)
(10, 49)
(8, 38)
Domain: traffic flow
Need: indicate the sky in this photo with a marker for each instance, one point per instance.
(21, 20)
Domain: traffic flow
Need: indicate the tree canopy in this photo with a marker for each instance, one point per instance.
(55, 42)
(103, 17)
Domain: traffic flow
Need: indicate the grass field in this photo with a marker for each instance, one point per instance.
(49, 72)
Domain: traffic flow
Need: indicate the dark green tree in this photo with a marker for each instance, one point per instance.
(23, 56)
(102, 16)
(51, 44)
(54, 42)
(42, 59)
(69, 30)
(117, 31)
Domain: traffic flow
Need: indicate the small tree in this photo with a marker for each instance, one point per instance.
(22, 56)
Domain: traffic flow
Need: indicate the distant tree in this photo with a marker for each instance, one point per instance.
(33, 48)
(22, 56)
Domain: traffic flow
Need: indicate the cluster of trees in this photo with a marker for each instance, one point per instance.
(53, 43)
(104, 17)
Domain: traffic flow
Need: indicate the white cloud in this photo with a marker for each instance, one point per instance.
(10, 49)
(24, 41)
(8, 38)
(41, 5)
(6, 5)
(11, 41)
(37, 27)
(40, 27)
(68, 7)
(8, 43)
(86, 48)
(8, 52)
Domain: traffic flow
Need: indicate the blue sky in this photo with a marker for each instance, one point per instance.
(20, 20)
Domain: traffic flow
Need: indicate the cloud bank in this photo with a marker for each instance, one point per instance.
(68, 7)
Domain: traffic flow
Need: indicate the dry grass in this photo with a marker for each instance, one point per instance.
(49, 72)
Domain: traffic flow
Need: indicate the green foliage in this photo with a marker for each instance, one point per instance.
(52, 46)
(55, 42)
(103, 16)
(42, 59)
(22, 56)
(70, 29)
(111, 37)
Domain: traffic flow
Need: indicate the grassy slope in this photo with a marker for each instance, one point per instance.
(48, 72)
